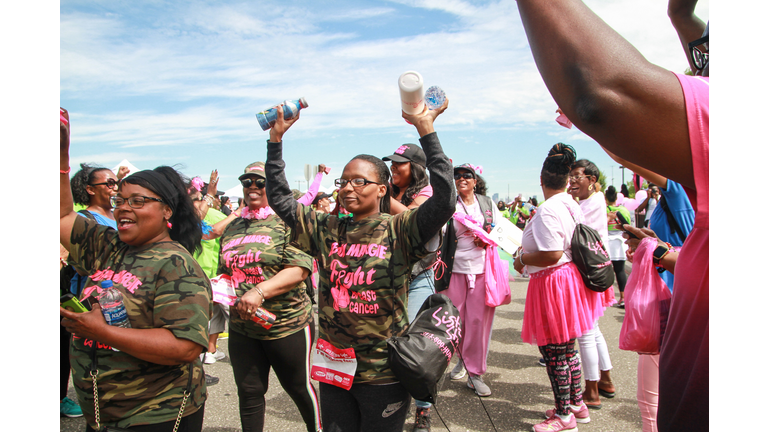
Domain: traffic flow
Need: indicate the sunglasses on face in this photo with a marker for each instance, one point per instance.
(465, 176)
(356, 182)
(136, 201)
(577, 178)
(111, 183)
(259, 183)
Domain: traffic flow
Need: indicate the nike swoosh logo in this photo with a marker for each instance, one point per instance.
(391, 409)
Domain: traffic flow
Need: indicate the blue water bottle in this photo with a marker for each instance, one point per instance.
(434, 97)
(291, 108)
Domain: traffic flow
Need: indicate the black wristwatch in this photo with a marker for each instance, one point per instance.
(659, 253)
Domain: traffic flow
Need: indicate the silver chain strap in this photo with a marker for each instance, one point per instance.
(181, 410)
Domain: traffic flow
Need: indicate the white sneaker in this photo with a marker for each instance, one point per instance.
(211, 358)
(458, 371)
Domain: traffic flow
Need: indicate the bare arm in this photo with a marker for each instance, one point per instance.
(689, 27)
(282, 282)
(649, 175)
(396, 207)
(156, 345)
(537, 259)
(608, 89)
(67, 213)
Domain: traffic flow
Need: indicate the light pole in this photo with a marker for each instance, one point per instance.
(622, 168)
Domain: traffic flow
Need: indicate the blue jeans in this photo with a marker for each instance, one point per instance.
(421, 288)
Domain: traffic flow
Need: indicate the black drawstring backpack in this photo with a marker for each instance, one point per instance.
(590, 257)
(421, 355)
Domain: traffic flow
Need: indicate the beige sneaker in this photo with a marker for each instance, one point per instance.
(458, 371)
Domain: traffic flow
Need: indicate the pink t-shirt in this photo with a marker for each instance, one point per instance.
(684, 359)
(426, 191)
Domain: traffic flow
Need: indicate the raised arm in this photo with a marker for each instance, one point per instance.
(278, 191)
(608, 89)
(689, 27)
(439, 208)
(67, 213)
(652, 177)
(308, 197)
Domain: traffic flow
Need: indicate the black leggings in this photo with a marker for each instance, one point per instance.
(251, 361)
(365, 407)
(621, 275)
(190, 423)
(64, 340)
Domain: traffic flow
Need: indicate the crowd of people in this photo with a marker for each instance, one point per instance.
(389, 237)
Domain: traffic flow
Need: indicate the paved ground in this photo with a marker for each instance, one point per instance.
(521, 389)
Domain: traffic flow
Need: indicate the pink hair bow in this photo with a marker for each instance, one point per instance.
(197, 183)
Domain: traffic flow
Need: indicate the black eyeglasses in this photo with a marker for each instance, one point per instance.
(465, 176)
(356, 182)
(111, 183)
(700, 58)
(260, 183)
(136, 201)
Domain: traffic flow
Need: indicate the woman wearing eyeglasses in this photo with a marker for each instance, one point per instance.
(595, 358)
(149, 374)
(268, 273)
(464, 277)
(364, 265)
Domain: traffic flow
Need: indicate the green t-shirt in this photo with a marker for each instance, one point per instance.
(612, 223)
(254, 250)
(162, 287)
(364, 269)
(208, 254)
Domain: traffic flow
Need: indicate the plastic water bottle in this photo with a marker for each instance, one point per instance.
(112, 305)
(435, 97)
(291, 108)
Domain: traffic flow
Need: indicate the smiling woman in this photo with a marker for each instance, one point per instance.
(166, 295)
(364, 266)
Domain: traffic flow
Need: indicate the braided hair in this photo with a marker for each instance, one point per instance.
(81, 180)
(382, 174)
(557, 166)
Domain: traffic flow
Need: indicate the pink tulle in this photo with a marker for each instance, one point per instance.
(558, 307)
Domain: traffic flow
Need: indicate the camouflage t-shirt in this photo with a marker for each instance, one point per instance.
(254, 250)
(162, 287)
(364, 270)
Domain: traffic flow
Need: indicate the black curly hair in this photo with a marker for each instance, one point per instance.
(557, 166)
(81, 179)
(186, 225)
(610, 194)
(382, 174)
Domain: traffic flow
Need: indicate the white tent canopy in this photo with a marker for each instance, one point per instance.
(125, 163)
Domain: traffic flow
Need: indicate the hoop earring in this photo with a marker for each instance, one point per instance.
(590, 187)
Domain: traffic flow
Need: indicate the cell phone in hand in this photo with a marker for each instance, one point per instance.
(623, 221)
(71, 303)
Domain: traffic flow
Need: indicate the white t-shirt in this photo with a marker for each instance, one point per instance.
(551, 228)
(470, 259)
(596, 214)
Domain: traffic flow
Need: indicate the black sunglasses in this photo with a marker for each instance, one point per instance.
(700, 58)
(466, 176)
(260, 183)
(111, 183)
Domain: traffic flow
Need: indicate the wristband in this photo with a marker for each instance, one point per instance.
(65, 172)
(521, 259)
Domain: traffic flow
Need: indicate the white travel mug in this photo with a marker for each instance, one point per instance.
(411, 92)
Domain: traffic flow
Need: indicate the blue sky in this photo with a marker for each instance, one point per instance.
(180, 82)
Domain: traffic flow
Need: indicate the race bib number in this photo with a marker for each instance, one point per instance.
(332, 365)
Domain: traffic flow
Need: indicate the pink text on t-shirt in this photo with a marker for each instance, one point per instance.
(265, 239)
(358, 250)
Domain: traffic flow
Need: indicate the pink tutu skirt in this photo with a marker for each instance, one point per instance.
(558, 307)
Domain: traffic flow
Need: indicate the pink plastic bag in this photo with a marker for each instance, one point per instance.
(497, 291)
(646, 304)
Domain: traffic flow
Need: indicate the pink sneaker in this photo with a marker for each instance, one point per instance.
(582, 415)
(555, 424)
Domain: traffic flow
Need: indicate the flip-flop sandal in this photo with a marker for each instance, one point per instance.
(593, 405)
(604, 393)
